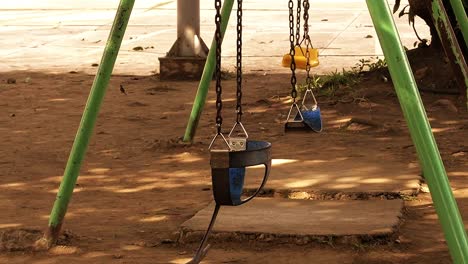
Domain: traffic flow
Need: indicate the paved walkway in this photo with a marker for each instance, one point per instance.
(61, 36)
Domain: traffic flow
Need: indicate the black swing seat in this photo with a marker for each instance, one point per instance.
(300, 126)
(227, 174)
(295, 120)
(312, 122)
(228, 171)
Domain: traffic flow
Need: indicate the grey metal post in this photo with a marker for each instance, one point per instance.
(189, 42)
(186, 58)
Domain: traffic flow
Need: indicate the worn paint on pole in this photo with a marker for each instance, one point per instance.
(462, 18)
(87, 124)
(450, 44)
(207, 76)
(420, 130)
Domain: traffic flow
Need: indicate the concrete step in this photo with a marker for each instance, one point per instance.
(299, 221)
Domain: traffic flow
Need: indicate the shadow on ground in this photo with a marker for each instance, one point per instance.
(139, 183)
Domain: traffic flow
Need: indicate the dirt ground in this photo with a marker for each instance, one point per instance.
(138, 183)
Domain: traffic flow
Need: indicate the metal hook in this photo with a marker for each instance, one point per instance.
(224, 139)
(288, 119)
(243, 129)
(315, 105)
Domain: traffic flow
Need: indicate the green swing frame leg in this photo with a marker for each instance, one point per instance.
(420, 130)
(207, 76)
(87, 124)
(462, 18)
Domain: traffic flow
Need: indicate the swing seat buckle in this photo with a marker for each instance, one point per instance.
(237, 138)
(238, 143)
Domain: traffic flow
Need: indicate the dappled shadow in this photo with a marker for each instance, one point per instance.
(138, 183)
(420, 240)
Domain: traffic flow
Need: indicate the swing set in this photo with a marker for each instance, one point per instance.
(228, 163)
(236, 151)
(305, 116)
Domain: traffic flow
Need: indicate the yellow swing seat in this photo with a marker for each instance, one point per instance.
(300, 58)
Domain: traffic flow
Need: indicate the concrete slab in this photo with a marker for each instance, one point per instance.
(271, 219)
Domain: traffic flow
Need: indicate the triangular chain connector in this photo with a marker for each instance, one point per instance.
(308, 100)
(216, 147)
(237, 138)
(294, 115)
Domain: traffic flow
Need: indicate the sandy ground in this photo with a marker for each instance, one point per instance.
(138, 183)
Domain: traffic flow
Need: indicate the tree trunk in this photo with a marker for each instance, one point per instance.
(421, 9)
(435, 72)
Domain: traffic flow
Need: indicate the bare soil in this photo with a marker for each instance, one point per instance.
(138, 182)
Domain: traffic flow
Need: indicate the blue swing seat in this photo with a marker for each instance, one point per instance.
(313, 119)
(236, 184)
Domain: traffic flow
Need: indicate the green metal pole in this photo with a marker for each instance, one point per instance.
(462, 19)
(420, 130)
(87, 124)
(207, 76)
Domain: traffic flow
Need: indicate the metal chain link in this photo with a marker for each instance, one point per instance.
(292, 51)
(219, 102)
(307, 41)
(239, 62)
(306, 23)
(298, 23)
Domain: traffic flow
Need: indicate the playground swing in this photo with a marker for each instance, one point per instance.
(228, 163)
(300, 53)
(259, 152)
(308, 115)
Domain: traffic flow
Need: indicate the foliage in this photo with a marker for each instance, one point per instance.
(337, 79)
(315, 83)
(327, 85)
(368, 65)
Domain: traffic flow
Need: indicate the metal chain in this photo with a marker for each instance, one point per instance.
(219, 102)
(306, 23)
(239, 62)
(298, 23)
(292, 51)
(307, 41)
